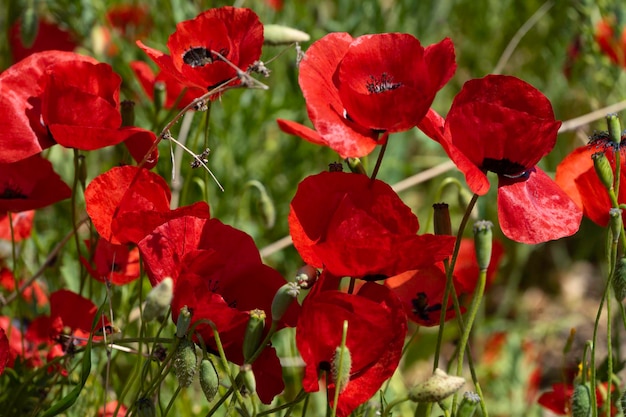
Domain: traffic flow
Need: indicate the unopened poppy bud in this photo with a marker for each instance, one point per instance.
(307, 276)
(159, 92)
(619, 279)
(335, 167)
(254, 333)
(185, 362)
(442, 223)
(468, 404)
(283, 299)
(29, 26)
(209, 380)
(581, 401)
(246, 377)
(340, 367)
(356, 166)
(283, 35)
(436, 388)
(128, 112)
(184, 320)
(615, 130)
(483, 241)
(603, 169)
(158, 299)
(615, 222)
(146, 408)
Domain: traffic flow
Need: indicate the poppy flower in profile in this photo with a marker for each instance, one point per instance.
(21, 223)
(126, 203)
(117, 264)
(375, 337)
(577, 176)
(356, 89)
(502, 124)
(49, 37)
(611, 41)
(218, 275)
(173, 87)
(30, 184)
(235, 33)
(349, 226)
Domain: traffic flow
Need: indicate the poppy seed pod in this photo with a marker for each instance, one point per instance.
(306, 277)
(209, 380)
(158, 299)
(581, 401)
(483, 242)
(603, 169)
(254, 333)
(468, 405)
(436, 388)
(340, 367)
(185, 362)
(615, 130)
(619, 279)
(283, 299)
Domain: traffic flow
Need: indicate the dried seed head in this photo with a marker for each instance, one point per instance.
(436, 388)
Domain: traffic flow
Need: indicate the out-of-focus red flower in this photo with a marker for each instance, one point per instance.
(62, 97)
(72, 313)
(173, 87)
(560, 398)
(578, 178)
(350, 226)
(611, 42)
(20, 345)
(117, 264)
(218, 275)
(234, 33)
(49, 37)
(130, 20)
(376, 331)
(126, 203)
(30, 184)
(502, 124)
(22, 224)
(34, 293)
(4, 350)
(357, 88)
(108, 410)
(275, 4)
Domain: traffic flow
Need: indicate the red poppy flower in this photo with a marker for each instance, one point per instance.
(357, 88)
(65, 98)
(218, 275)
(30, 184)
(108, 410)
(350, 226)
(173, 88)
(72, 311)
(131, 20)
(126, 203)
(49, 37)
(375, 337)
(22, 224)
(235, 33)
(502, 124)
(117, 264)
(610, 42)
(33, 294)
(559, 399)
(578, 178)
(4, 350)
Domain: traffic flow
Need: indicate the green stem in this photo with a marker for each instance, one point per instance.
(381, 154)
(339, 380)
(392, 404)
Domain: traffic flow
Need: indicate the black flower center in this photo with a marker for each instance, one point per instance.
(421, 308)
(381, 84)
(12, 192)
(199, 56)
(504, 167)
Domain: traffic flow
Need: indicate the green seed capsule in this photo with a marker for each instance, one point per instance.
(468, 405)
(483, 242)
(185, 362)
(209, 380)
(254, 333)
(283, 299)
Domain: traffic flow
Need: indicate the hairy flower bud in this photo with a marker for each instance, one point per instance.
(209, 380)
(603, 169)
(581, 401)
(483, 241)
(283, 35)
(159, 299)
(619, 279)
(615, 130)
(283, 299)
(185, 362)
(254, 333)
(436, 388)
(341, 366)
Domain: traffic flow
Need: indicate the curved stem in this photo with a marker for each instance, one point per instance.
(381, 154)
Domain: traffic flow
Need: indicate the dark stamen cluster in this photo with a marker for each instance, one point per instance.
(382, 84)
